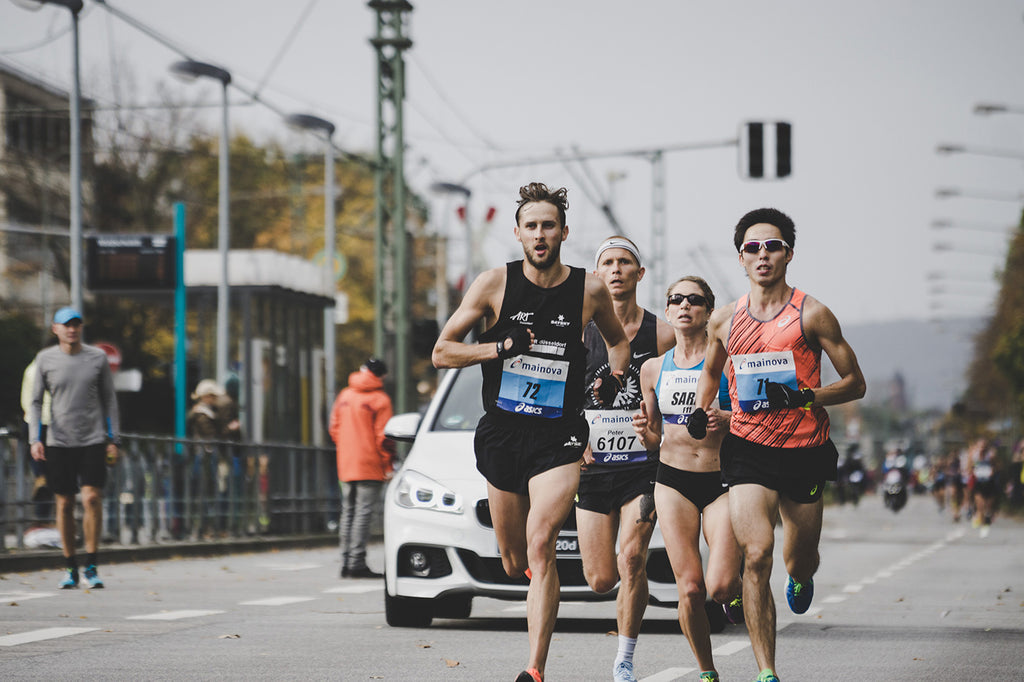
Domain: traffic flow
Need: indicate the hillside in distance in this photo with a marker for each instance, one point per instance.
(931, 357)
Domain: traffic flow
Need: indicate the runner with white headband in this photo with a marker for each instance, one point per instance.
(616, 493)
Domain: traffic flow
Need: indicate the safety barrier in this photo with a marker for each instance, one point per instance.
(170, 489)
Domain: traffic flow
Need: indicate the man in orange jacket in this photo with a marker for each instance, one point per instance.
(365, 460)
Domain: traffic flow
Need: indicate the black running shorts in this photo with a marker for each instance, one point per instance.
(509, 455)
(797, 473)
(66, 468)
(699, 487)
(610, 489)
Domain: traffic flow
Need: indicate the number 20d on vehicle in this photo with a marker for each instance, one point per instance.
(439, 543)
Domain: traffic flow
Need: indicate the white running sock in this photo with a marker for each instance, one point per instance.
(626, 647)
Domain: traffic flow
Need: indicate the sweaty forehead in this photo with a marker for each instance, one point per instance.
(687, 287)
(762, 231)
(538, 211)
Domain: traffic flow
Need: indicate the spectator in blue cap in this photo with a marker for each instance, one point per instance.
(82, 438)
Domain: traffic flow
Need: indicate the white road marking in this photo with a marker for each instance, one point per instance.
(290, 567)
(353, 589)
(276, 601)
(834, 599)
(730, 648)
(25, 596)
(518, 608)
(175, 615)
(668, 675)
(853, 589)
(39, 635)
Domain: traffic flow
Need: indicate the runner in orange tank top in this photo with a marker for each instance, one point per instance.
(777, 455)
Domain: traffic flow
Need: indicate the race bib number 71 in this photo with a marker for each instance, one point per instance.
(754, 370)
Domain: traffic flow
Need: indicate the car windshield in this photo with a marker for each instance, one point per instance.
(462, 407)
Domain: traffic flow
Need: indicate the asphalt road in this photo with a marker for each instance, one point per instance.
(909, 596)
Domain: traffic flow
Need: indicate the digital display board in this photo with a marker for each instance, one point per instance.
(131, 261)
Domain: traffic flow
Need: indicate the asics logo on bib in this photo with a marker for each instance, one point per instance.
(523, 317)
(523, 363)
(528, 409)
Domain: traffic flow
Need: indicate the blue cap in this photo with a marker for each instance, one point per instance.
(65, 315)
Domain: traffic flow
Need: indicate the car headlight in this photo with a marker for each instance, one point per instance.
(413, 490)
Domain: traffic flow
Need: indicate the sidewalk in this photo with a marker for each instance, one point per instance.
(18, 560)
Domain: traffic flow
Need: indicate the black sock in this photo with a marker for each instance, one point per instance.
(72, 563)
(90, 559)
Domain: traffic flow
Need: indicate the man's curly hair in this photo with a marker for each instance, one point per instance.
(538, 191)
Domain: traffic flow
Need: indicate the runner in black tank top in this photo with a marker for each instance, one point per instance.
(531, 438)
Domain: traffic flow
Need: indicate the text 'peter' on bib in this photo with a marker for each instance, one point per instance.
(533, 386)
(754, 370)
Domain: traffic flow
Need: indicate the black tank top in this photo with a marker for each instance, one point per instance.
(643, 347)
(614, 444)
(545, 383)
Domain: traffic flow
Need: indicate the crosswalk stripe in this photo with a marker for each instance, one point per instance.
(276, 601)
(24, 596)
(39, 635)
(732, 647)
(353, 589)
(668, 675)
(175, 615)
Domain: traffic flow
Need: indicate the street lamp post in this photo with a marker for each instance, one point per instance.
(190, 69)
(75, 212)
(316, 124)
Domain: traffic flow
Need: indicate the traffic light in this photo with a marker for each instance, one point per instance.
(755, 150)
(783, 141)
(765, 150)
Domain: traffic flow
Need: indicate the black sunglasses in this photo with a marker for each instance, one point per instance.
(692, 299)
(770, 245)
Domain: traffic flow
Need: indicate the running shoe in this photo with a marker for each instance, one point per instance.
(623, 672)
(734, 611)
(531, 675)
(70, 581)
(799, 595)
(92, 579)
(709, 676)
(767, 676)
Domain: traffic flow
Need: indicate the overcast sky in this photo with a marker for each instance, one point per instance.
(871, 88)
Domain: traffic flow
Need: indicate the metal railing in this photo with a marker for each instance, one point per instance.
(166, 489)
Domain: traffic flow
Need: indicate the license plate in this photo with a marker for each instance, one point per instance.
(567, 545)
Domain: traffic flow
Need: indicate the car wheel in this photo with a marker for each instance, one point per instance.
(454, 606)
(407, 612)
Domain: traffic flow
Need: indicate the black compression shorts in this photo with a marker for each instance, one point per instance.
(610, 489)
(699, 487)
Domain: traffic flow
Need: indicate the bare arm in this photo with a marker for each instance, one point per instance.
(822, 327)
(598, 303)
(666, 337)
(714, 358)
(647, 422)
(479, 304)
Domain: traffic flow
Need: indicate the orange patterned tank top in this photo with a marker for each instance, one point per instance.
(773, 350)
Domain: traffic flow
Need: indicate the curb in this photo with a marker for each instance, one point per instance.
(14, 561)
